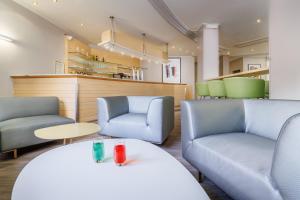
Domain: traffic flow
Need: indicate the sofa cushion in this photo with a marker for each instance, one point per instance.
(140, 104)
(266, 117)
(130, 119)
(133, 125)
(18, 107)
(236, 162)
(19, 132)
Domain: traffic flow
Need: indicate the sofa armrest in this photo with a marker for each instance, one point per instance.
(160, 115)
(286, 160)
(207, 117)
(111, 107)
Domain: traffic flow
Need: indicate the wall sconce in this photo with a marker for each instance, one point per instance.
(5, 38)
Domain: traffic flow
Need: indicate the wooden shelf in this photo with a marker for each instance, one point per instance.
(256, 72)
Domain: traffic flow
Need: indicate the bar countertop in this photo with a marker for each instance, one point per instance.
(84, 76)
(255, 72)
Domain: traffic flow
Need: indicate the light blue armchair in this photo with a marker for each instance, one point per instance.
(149, 118)
(249, 148)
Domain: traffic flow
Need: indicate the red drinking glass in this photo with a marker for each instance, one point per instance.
(120, 154)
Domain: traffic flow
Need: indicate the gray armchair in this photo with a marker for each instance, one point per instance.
(249, 148)
(21, 116)
(149, 118)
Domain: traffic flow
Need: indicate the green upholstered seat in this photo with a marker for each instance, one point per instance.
(202, 89)
(216, 88)
(244, 87)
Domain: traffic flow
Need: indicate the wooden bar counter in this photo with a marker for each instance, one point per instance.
(78, 93)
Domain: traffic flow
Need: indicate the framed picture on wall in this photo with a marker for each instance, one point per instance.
(171, 72)
(253, 66)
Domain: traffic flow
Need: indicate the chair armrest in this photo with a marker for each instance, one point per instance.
(286, 160)
(160, 115)
(207, 117)
(111, 107)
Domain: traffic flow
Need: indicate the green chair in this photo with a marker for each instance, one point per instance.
(244, 87)
(267, 89)
(216, 88)
(202, 90)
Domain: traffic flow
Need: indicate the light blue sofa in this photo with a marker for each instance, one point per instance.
(21, 116)
(249, 148)
(149, 118)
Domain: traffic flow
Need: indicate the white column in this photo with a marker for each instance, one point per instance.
(284, 32)
(226, 69)
(210, 51)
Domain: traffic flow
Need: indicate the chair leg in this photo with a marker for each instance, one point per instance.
(200, 177)
(15, 152)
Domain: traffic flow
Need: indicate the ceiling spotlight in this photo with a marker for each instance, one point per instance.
(141, 58)
(122, 53)
(173, 47)
(55, 1)
(258, 21)
(35, 3)
(81, 25)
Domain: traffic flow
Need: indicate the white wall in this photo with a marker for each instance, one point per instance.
(37, 44)
(153, 72)
(188, 75)
(284, 39)
(254, 60)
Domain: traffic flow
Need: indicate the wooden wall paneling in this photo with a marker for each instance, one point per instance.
(63, 88)
(78, 94)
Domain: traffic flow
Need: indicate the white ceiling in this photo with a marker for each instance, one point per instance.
(236, 17)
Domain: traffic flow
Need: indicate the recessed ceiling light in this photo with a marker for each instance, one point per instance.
(81, 25)
(122, 53)
(35, 3)
(173, 47)
(258, 21)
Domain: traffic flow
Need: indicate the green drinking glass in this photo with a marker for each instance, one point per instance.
(98, 150)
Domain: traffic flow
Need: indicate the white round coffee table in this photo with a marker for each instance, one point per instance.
(69, 172)
(67, 131)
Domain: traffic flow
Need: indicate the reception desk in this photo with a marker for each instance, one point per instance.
(78, 93)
